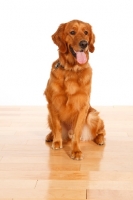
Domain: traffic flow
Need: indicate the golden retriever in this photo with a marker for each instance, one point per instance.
(69, 87)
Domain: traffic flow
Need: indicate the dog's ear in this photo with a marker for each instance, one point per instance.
(59, 38)
(91, 42)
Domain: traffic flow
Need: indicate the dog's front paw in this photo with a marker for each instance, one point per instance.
(57, 145)
(77, 155)
(99, 139)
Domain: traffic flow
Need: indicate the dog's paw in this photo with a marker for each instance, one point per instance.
(99, 139)
(57, 145)
(49, 137)
(77, 155)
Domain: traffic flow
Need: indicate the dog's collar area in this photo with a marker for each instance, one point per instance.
(58, 65)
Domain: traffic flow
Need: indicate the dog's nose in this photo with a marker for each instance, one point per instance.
(83, 44)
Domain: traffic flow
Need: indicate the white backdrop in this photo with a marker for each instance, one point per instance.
(27, 51)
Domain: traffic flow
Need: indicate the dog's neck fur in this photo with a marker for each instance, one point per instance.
(71, 64)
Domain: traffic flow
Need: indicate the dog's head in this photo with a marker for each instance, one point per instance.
(75, 38)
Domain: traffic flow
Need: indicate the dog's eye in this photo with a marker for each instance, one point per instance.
(85, 32)
(72, 32)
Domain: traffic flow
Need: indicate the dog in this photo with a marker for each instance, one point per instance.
(69, 87)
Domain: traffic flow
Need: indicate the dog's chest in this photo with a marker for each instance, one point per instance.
(77, 82)
(71, 82)
(70, 89)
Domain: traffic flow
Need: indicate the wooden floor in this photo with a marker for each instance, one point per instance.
(31, 170)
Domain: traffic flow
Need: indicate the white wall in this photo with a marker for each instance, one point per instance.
(27, 51)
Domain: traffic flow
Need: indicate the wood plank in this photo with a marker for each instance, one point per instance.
(109, 194)
(44, 193)
(17, 184)
(53, 174)
(40, 167)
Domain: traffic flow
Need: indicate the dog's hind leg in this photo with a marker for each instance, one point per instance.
(49, 137)
(96, 126)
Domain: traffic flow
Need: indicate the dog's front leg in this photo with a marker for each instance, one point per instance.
(57, 140)
(55, 126)
(76, 152)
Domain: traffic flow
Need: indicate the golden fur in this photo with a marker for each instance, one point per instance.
(69, 87)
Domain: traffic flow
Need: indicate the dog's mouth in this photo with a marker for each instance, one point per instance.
(79, 55)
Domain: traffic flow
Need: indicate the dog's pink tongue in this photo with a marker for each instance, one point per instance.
(81, 57)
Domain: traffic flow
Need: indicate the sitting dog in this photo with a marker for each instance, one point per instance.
(69, 87)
